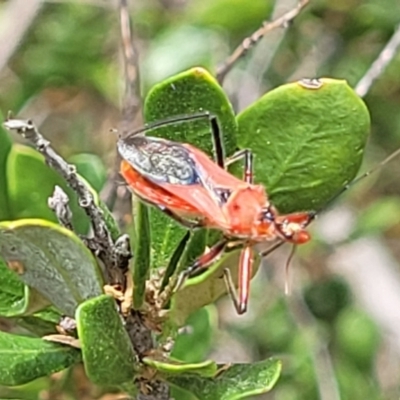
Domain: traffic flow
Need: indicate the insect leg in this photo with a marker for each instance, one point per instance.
(241, 299)
(275, 246)
(180, 220)
(247, 155)
(217, 140)
(203, 262)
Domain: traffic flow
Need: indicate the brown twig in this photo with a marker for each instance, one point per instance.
(250, 41)
(101, 243)
(379, 65)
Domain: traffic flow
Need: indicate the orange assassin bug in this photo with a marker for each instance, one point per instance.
(187, 185)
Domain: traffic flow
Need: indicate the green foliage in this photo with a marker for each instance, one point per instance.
(142, 249)
(308, 143)
(5, 147)
(106, 350)
(28, 196)
(24, 359)
(233, 382)
(17, 299)
(52, 260)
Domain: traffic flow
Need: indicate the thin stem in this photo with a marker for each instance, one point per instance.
(131, 104)
(379, 65)
(250, 41)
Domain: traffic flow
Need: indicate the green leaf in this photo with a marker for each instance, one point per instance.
(24, 359)
(187, 93)
(5, 147)
(51, 259)
(41, 323)
(236, 382)
(107, 351)
(142, 250)
(194, 343)
(17, 299)
(171, 366)
(91, 168)
(205, 288)
(31, 182)
(308, 142)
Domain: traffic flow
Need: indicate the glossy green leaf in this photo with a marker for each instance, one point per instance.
(205, 288)
(31, 182)
(308, 141)
(236, 382)
(51, 259)
(106, 349)
(142, 252)
(175, 367)
(189, 92)
(23, 359)
(91, 168)
(17, 299)
(5, 147)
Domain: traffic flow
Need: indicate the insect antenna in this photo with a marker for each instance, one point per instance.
(172, 121)
(288, 288)
(312, 214)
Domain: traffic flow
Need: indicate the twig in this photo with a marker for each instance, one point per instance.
(131, 104)
(379, 65)
(59, 203)
(25, 13)
(250, 41)
(101, 243)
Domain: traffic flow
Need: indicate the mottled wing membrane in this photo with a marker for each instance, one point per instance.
(159, 160)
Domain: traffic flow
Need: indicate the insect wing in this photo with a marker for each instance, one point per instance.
(165, 173)
(159, 160)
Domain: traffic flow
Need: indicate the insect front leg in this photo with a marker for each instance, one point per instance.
(203, 262)
(247, 156)
(240, 299)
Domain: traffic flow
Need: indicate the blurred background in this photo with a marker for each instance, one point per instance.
(338, 333)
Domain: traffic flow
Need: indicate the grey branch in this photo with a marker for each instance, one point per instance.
(250, 41)
(101, 243)
(379, 65)
(59, 203)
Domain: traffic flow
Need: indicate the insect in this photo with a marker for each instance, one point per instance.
(187, 185)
